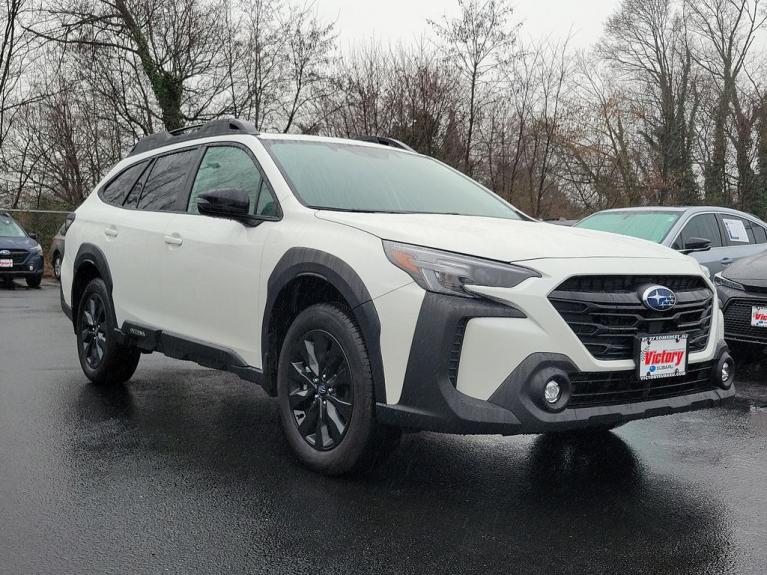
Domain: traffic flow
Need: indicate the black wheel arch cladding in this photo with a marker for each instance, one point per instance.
(90, 255)
(309, 262)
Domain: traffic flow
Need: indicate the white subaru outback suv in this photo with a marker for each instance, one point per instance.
(372, 289)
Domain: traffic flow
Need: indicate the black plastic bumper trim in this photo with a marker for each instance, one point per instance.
(429, 400)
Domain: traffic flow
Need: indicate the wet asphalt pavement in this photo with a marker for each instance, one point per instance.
(185, 470)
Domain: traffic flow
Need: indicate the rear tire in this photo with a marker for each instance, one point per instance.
(325, 392)
(56, 266)
(103, 360)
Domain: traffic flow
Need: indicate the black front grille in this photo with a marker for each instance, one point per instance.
(737, 321)
(606, 312)
(18, 256)
(594, 389)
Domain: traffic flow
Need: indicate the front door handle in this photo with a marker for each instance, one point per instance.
(726, 261)
(111, 232)
(173, 239)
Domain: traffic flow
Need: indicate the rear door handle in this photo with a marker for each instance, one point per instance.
(726, 261)
(173, 239)
(111, 232)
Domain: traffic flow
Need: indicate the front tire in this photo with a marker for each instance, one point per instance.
(325, 391)
(34, 281)
(103, 360)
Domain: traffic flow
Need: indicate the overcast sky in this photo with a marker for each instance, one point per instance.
(395, 20)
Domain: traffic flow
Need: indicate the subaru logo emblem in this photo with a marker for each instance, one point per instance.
(5, 253)
(658, 298)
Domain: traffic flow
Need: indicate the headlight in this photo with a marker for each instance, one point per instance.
(449, 273)
(37, 250)
(720, 280)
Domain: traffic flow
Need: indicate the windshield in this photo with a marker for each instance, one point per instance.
(651, 226)
(10, 229)
(351, 177)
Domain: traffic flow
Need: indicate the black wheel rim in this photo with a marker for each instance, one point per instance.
(93, 331)
(320, 389)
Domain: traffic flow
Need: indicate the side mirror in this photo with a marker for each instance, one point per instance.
(696, 245)
(224, 203)
(33, 235)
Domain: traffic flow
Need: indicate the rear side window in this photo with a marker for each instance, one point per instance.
(701, 226)
(760, 235)
(226, 167)
(166, 181)
(117, 190)
(739, 231)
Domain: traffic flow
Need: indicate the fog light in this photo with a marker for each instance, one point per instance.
(31, 268)
(552, 392)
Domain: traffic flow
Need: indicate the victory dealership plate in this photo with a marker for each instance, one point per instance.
(6, 263)
(662, 356)
(759, 316)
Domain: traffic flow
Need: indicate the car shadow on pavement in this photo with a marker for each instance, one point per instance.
(441, 500)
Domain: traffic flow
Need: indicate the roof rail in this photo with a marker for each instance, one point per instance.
(386, 142)
(223, 127)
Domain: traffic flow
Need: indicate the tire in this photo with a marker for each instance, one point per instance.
(103, 360)
(34, 281)
(57, 266)
(325, 392)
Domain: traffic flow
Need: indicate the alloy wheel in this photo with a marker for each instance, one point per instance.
(93, 330)
(320, 389)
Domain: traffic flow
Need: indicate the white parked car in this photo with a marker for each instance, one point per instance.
(373, 289)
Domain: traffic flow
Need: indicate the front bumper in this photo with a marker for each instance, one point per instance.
(32, 266)
(736, 307)
(457, 341)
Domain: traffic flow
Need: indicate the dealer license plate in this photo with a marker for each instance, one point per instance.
(6, 263)
(662, 356)
(759, 316)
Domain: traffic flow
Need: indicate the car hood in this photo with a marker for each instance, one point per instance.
(749, 271)
(24, 243)
(499, 239)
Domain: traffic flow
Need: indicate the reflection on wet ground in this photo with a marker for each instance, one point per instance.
(186, 470)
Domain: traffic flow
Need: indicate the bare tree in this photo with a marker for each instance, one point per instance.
(645, 40)
(176, 42)
(725, 31)
(477, 41)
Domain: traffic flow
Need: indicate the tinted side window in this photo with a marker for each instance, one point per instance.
(117, 190)
(760, 234)
(165, 181)
(739, 231)
(701, 226)
(226, 167)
